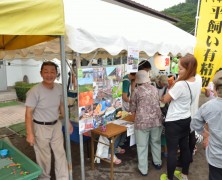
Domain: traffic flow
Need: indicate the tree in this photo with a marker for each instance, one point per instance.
(186, 13)
(192, 1)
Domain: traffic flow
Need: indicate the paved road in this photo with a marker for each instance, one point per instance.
(12, 115)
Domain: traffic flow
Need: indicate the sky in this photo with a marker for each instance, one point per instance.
(159, 5)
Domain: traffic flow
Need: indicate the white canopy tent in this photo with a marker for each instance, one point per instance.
(98, 24)
(111, 29)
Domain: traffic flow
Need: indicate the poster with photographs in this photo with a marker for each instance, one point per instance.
(100, 96)
(85, 99)
(132, 59)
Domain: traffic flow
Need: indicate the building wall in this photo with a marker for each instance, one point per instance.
(17, 69)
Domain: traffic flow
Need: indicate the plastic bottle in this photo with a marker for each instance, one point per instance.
(103, 125)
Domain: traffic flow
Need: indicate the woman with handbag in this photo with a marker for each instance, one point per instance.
(177, 122)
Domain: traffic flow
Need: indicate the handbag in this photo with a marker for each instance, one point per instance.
(190, 92)
(164, 109)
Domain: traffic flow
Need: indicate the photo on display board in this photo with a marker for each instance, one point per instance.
(100, 95)
(132, 59)
(85, 99)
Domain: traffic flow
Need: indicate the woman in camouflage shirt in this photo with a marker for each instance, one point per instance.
(144, 105)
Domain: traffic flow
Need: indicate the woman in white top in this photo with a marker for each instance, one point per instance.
(178, 117)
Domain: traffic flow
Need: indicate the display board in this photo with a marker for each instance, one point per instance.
(100, 96)
(132, 59)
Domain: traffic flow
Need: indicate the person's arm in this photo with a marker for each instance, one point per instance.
(205, 135)
(166, 98)
(30, 138)
(174, 93)
(198, 124)
(125, 87)
(62, 112)
(134, 115)
(207, 92)
(133, 104)
(74, 81)
(125, 97)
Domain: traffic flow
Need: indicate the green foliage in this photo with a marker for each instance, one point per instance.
(192, 1)
(22, 88)
(186, 13)
(85, 88)
(9, 103)
(117, 91)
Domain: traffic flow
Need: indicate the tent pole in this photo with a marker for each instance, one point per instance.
(197, 18)
(82, 157)
(81, 136)
(64, 85)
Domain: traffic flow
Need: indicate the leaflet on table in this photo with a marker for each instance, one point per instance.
(122, 122)
(130, 130)
(129, 125)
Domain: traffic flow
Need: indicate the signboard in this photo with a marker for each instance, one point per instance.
(100, 96)
(132, 60)
(209, 40)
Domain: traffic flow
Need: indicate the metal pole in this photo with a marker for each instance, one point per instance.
(82, 157)
(64, 85)
(81, 136)
(197, 18)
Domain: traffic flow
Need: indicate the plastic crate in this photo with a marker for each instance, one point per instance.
(26, 165)
(74, 137)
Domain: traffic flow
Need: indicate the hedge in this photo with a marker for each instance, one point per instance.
(22, 88)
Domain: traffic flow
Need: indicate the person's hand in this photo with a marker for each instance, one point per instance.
(199, 137)
(30, 139)
(70, 128)
(207, 92)
(161, 99)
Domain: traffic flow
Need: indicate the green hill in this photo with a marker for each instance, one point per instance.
(186, 13)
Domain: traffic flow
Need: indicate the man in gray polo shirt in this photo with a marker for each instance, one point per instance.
(44, 104)
(210, 113)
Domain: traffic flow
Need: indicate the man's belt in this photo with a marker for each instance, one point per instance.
(45, 123)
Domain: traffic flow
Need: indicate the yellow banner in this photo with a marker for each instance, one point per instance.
(208, 50)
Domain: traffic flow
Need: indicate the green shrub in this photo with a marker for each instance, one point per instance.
(22, 88)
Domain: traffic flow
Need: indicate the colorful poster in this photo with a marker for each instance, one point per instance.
(209, 42)
(132, 60)
(85, 99)
(100, 96)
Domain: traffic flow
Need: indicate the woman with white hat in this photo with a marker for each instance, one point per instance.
(144, 104)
